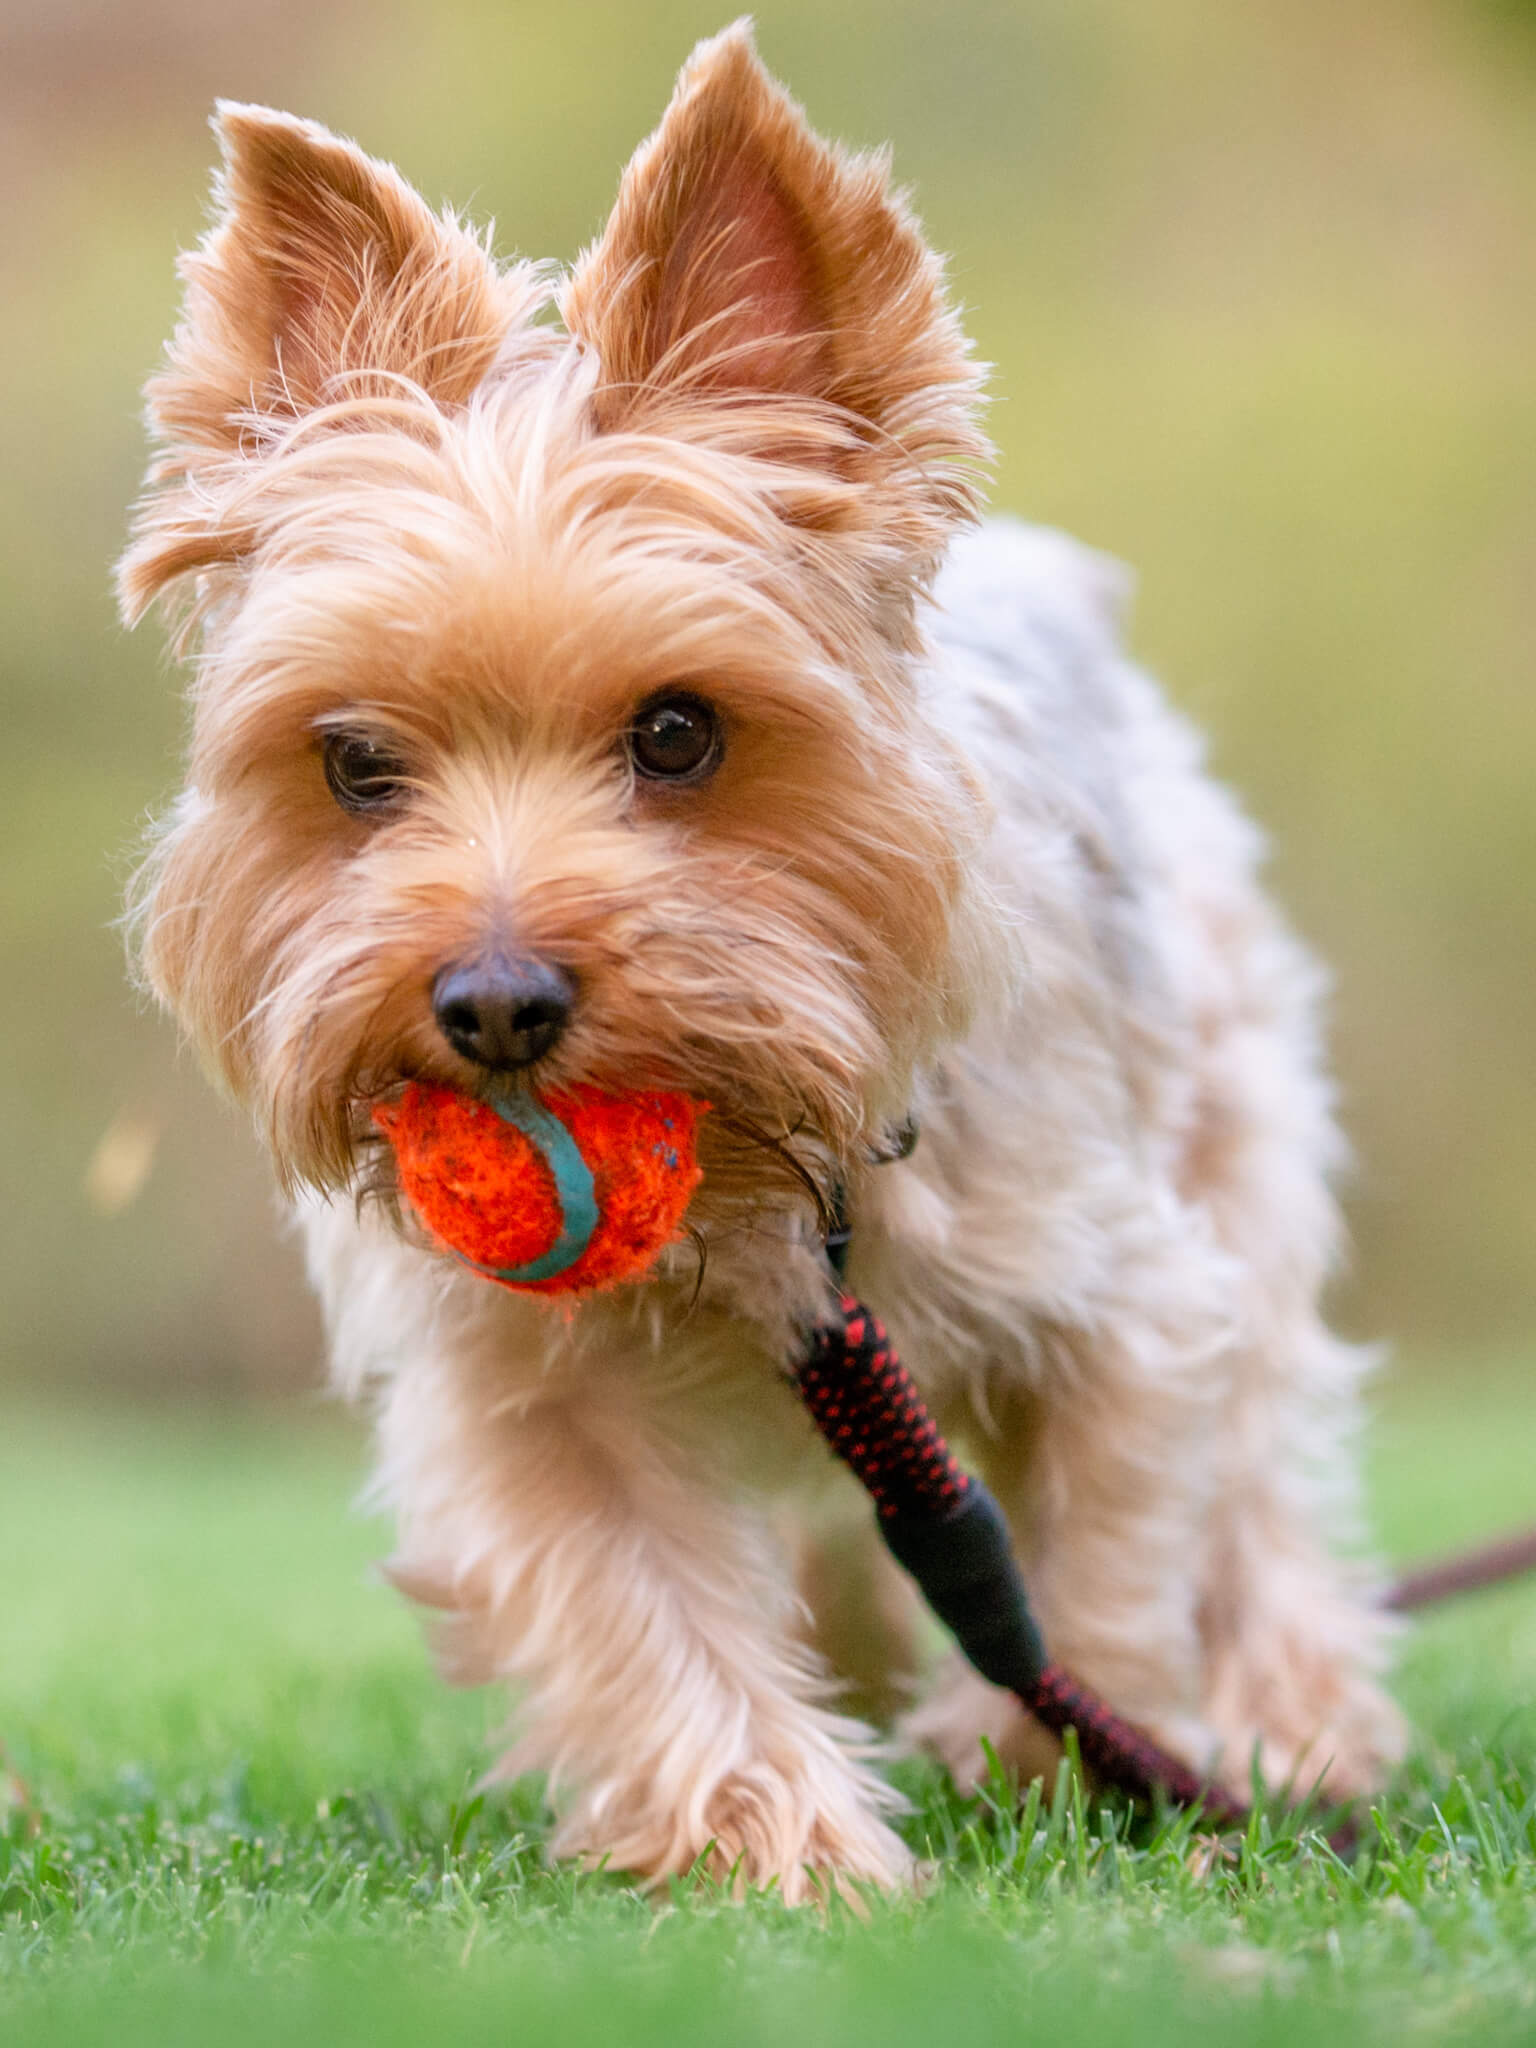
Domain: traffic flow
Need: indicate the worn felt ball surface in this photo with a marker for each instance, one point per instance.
(560, 1195)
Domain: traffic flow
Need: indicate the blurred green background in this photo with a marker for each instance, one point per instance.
(1260, 285)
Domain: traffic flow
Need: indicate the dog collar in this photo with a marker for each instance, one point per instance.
(900, 1144)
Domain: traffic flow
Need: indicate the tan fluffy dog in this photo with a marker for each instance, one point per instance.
(625, 698)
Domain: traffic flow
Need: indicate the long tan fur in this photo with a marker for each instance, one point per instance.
(958, 858)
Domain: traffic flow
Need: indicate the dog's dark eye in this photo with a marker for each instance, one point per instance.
(362, 773)
(675, 738)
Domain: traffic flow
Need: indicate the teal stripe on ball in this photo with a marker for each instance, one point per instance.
(573, 1188)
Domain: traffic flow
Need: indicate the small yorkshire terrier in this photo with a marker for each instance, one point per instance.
(601, 678)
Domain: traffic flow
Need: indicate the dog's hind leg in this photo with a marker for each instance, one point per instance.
(1102, 1481)
(1292, 1642)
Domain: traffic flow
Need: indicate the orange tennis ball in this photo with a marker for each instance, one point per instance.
(560, 1195)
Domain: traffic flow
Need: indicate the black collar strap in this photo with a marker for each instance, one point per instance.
(899, 1145)
(839, 1232)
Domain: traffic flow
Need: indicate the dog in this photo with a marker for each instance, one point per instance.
(605, 677)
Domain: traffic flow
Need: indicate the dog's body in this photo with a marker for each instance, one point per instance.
(973, 872)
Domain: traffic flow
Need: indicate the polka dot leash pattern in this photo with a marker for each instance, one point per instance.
(872, 1415)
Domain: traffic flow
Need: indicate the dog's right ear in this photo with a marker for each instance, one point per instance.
(759, 283)
(323, 275)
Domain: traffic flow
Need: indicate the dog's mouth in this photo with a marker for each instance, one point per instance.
(753, 1160)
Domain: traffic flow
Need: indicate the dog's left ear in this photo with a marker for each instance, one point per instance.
(754, 280)
(324, 276)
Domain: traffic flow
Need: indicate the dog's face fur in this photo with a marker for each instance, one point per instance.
(420, 516)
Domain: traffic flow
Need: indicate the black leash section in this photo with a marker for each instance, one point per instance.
(942, 1525)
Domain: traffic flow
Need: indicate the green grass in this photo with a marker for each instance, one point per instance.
(251, 1812)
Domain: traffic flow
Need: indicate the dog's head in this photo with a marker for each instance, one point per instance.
(554, 702)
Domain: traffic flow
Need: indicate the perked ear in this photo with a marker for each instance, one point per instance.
(322, 266)
(746, 258)
(321, 262)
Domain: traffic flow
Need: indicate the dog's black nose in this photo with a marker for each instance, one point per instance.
(505, 1011)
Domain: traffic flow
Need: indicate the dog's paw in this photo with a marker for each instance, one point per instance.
(963, 1716)
(845, 1855)
(1337, 1763)
(1335, 1734)
(754, 1831)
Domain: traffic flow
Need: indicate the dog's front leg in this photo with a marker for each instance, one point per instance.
(648, 1624)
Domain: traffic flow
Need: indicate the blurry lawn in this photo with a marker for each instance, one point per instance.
(255, 1818)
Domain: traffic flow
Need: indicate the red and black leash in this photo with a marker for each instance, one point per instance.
(942, 1525)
